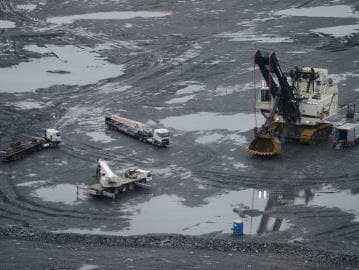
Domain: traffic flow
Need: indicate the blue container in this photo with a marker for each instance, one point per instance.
(237, 227)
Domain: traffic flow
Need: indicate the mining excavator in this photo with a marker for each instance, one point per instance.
(294, 104)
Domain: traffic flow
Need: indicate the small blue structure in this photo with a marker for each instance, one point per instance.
(238, 227)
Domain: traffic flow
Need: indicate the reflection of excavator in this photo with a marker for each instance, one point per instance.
(269, 223)
(292, 111)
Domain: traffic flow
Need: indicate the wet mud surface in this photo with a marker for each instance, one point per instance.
(186, 66)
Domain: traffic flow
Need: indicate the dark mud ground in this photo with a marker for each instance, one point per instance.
(205, 49)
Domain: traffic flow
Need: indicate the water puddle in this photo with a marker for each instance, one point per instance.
(180, 100)
(5, 24)
(89, 267)
(99, 136)
(211, 121)
(169, 214)
(86, 118)
(190, 87)
(110, 88)
(337, 11)
(62, 65)
(239, 165)
(299, 52)
(27, 105)
(210, 137)
(338, 31)
(112, 15)
(189, 54)
(228, 90)
(62, 193)
(250, 36)
(31, 175)
(328, 196)
(342, 77)
(26, 7)
(32, 183)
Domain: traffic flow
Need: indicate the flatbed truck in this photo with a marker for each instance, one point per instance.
(18, 150)
(111, 184)
(158, 137)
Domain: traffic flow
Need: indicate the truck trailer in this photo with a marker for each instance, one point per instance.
(158, 137)
(111, 184)
(18, 150)
(346, 135)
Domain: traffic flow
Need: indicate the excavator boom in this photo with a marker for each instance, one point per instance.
(286, 104)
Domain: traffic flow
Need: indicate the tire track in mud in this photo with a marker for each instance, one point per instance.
(228, 180)
(221, 180)
(22, 222)
(22, 203)
(6, 213)
(199, 166)
(338, 231)
(7, 8)
(67, 33)
(205, 160)
(86, 150)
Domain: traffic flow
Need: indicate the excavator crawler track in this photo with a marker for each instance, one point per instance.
(316, 134)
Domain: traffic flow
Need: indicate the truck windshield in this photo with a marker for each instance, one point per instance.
(163, 135)
(147, 132)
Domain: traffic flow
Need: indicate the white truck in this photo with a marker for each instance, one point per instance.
(345, 135)
(111, 184)
(18, 150)
(158, 137)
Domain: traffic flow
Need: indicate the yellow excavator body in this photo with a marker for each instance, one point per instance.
(315, 134)
(265, 146)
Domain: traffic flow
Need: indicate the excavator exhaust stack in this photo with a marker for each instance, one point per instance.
(264, 146)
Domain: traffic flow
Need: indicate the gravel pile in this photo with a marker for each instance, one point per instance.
(182, 242)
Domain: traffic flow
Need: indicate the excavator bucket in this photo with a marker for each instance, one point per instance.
(264, 146)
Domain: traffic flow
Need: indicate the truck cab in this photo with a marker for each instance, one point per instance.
(161, 137)
(143, 176)
(53, 135)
